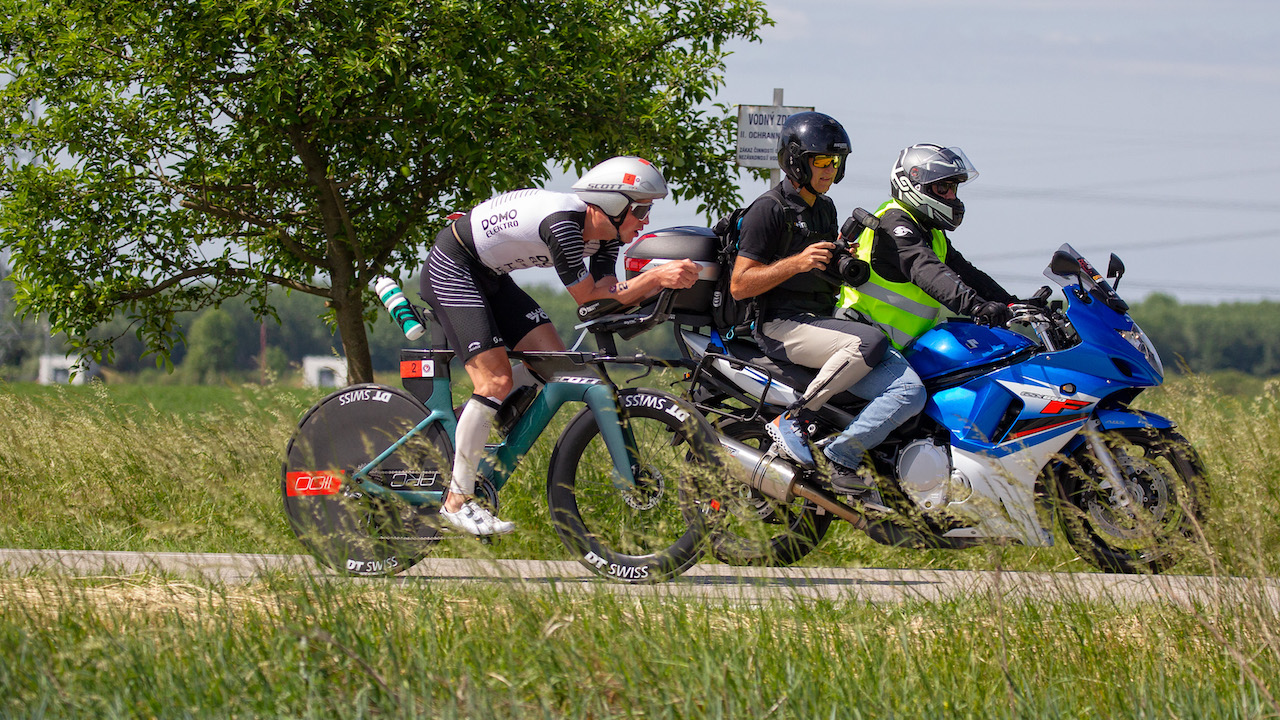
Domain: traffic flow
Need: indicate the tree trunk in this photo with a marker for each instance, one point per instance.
(355, 340)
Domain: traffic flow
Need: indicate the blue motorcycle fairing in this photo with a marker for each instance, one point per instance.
(1124, 419)
(1032, 402)
(957, 346)
(1102, 351)
(1130, 419)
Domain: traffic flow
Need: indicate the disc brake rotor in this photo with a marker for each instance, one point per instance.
(1147, 487)
(648, 491)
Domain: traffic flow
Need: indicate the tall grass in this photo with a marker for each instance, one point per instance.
(140, 647)
(99, 468)
(80, 469)
(182, 469)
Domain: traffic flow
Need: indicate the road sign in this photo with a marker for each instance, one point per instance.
(758, 127)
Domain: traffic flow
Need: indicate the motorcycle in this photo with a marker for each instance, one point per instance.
(1017, 432)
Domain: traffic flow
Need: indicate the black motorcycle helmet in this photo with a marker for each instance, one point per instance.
(806, 134)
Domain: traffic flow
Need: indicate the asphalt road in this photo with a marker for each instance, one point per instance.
(712, 582)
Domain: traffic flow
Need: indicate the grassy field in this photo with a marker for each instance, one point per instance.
(288, 647)
(181, 468)
(197, 469)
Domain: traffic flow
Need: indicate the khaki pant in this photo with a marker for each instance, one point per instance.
(842, 351)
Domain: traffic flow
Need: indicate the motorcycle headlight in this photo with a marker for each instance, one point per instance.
(1142, 344)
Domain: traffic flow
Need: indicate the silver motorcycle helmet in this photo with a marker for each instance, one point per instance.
(918, 168)
(617, 183)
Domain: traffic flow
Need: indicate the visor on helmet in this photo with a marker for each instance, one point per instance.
(947, 163)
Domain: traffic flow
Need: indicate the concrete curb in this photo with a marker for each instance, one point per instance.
(708, 582)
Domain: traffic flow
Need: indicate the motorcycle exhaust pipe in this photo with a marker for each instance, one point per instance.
(764, 471)
(776, 478)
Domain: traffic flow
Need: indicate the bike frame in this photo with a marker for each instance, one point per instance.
(425, 374)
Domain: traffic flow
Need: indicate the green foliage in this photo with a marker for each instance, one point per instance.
(22, 339)
(1244, 337)
(212, 345)
(165, 156)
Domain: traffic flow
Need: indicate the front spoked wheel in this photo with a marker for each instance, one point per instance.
(650, 532)
(758, 530)
(1150, 525)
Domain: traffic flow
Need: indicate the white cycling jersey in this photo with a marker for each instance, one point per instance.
(538, 228)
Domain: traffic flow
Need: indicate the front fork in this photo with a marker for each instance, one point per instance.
(1120, 496)
(604, 402)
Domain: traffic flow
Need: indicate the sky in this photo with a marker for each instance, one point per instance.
(1147, 128)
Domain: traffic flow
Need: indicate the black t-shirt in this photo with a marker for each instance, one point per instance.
(903, 251)
(776, 228)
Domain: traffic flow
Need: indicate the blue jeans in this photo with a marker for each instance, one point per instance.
(896, 394)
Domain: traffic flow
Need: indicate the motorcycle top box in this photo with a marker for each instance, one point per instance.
(700, 244)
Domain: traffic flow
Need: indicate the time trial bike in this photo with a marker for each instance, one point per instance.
(367, 468)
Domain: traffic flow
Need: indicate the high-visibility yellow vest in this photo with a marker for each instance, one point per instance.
(901, 310)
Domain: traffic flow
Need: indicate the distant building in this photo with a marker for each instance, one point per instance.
(65, 370)
(323, 371)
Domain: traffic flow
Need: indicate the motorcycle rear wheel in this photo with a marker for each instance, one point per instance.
(1165, 479)
(758, 530)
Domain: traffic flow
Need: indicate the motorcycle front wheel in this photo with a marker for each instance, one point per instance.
(1155, 522)
(757, 530)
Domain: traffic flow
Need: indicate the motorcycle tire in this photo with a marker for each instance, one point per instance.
(1166, 480)
(758, 530)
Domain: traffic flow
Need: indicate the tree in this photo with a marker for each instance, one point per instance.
(167, 156)
(213, 346)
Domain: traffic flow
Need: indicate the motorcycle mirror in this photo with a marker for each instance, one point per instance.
(1064, 264)
(1115, 269)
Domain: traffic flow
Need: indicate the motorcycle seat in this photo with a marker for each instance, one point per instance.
(796, 376)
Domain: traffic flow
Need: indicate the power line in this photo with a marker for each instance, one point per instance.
(1142, 245)
(1102, 197)
(1266, 292)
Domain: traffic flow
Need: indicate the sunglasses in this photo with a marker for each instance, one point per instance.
(640, 211)
(945, 187)
(825, 161)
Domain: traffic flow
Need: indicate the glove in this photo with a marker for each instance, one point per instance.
(993, 314)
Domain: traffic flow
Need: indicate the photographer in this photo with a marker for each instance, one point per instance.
(787, 243)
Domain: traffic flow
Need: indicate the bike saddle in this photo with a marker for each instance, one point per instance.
(796, 376)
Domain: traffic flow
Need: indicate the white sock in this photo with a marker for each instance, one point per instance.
(473, 431)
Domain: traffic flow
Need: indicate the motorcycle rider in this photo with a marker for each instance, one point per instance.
(915, 270)
(483, 312)
(786, 242)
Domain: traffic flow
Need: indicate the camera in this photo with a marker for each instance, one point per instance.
(845, 268)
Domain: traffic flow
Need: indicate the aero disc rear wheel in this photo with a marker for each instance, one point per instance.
(337, 520)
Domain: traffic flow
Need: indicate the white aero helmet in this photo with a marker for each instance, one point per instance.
(617, 182)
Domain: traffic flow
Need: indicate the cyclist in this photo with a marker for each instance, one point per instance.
(785, 244)
(466, 281)
(915, 270)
